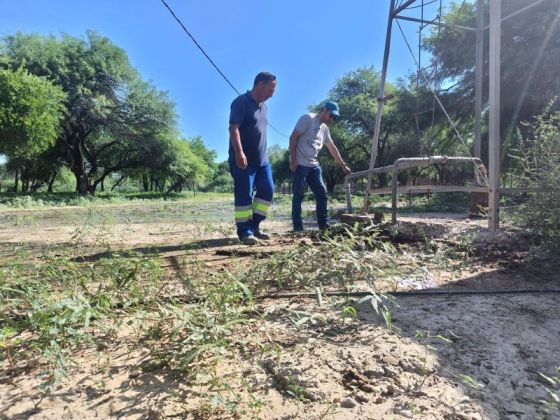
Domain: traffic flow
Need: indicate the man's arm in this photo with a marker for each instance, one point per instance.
(293, 147)
(336, 155)
(235, 138)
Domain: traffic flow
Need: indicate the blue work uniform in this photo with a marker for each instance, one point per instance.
(250, 210)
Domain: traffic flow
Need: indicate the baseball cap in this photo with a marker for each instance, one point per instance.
(333, 107)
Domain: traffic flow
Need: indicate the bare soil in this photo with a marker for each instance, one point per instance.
(462, 356)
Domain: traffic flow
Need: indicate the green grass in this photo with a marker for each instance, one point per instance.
(54, 307)
(452, 202)
(456, 202)
(38, 200)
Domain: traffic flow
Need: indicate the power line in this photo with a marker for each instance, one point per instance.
(210, 60)
(199, 47)
(278, 131)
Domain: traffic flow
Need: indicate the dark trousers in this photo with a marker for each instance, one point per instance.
(314, 178)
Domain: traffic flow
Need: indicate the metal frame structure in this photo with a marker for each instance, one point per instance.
(493, 186)
(407, 163)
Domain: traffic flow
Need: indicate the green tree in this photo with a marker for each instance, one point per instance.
(530, 57)
(113, 117)
(538, 158)
(38, 171)
(137, 136)
(30, 112)
(187, 167)
(222, 180)
(356, 93)
(208, 156)
(279, 162)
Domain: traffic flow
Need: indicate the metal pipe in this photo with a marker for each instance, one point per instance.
(348, 189)
(400, 8)
(420, 161)
(394, 195)
(430, 22)
(379, 170)
(431, 159)
(406, 293)
(417, 189)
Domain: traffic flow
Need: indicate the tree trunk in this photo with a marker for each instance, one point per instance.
(79, 170)
(81, 182)
(24, 180)
(35, 185)
(51, 182)
(383, 180)
(16, 180)
(145, 182)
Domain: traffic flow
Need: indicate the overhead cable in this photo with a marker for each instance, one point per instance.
(199, 47)
(209, 59)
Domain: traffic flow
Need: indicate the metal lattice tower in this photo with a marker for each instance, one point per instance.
(396, 12)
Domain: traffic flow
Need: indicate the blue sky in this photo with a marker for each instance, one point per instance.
(308, 44)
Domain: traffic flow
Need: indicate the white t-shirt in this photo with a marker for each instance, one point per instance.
(315, 135)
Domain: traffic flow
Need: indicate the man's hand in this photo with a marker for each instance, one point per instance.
(241, 160)
(346, 169)
(293, 165)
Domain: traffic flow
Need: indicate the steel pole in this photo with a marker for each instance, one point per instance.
(394, 191)
(377, 126)
(478, 78)
(494, 122)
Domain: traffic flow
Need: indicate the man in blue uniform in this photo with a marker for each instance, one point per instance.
(248, 161)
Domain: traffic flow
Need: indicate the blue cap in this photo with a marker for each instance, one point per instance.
(333, 107)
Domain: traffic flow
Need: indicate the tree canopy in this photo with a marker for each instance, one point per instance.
(530, 55)
(114, 122)
(31, 108)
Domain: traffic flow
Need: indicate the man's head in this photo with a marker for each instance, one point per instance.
(329, 112)
(264, 86)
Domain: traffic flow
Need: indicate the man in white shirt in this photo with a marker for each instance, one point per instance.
(307, 140)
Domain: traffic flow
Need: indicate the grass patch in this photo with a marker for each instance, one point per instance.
(60, 199)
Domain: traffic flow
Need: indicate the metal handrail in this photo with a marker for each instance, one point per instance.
(407, 163)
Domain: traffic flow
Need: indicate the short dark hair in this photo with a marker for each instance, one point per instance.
(265, 77)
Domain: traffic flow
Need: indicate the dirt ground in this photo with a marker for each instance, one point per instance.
(448, 356)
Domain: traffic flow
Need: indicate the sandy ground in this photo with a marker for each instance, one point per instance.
(446, 357)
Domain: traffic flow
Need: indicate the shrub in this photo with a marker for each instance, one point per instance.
(538, 157)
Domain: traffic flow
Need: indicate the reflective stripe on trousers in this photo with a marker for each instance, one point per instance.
(243, 213)
(261, 206)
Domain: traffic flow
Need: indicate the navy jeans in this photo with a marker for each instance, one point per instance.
(314, 178)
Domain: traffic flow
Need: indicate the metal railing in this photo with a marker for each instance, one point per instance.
(480, 183)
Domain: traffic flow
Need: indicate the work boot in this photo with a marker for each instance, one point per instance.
(259, 234)
(249, 240)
